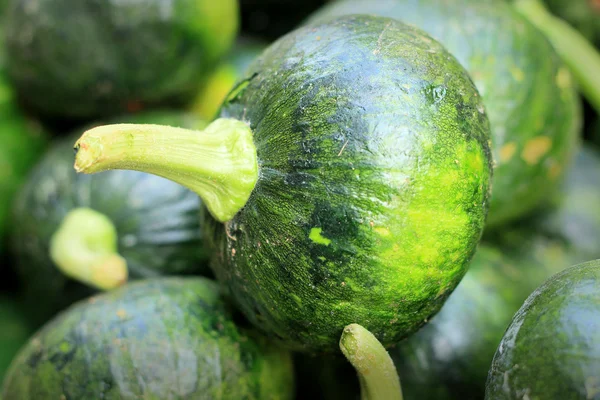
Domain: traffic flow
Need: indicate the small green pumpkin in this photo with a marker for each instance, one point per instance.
(162, 338)
(551, 349)
(90, 58)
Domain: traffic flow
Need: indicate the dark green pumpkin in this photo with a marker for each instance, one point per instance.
(164, 338)
(374, 172)
(94, 58)
(450, 356)
(157, 221)
(529, 95)
(551, 349)
(15, 330)
(22, 141)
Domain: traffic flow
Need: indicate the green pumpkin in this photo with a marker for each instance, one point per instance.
(370, 199)
(529, 94)
(156, 221)
(163, 338)
(551, 349)
(90, 58)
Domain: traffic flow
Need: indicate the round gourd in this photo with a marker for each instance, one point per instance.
(551, 349)
(165, 338)
(153, 224)
(528, 92)
(346, 180)
(94, 58)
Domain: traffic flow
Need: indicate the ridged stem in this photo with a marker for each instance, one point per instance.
(218, 163)
(376, 371)
(84, 248)
(580, 56)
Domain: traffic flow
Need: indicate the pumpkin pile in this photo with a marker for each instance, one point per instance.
(344, 199)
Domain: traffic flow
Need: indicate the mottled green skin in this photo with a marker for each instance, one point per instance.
(374, 172)
(15, 329)
(551, 349)
(164, 339)
(157, 221)
(584, 15)
(22, 141)
(450, 356)
(529, 95)
(102, 57)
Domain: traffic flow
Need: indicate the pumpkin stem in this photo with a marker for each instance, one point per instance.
(580, 56)
(218, 163)
(84, 248)
(376, 370)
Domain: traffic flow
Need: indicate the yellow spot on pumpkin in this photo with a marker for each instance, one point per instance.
(554, 170)
(121, 313)
(507, 151)
(535, 149)
(382, 231)
(517, 74)
(563, 78)
(316, 237)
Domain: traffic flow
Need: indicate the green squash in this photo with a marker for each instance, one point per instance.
(90, 58)
(450, 356)
(164, 338)
(362, 213)
(156, 222)
(551, 349)
(346, 181)
(217, 85)
(533, 106)
(22, 141)
(14, 332)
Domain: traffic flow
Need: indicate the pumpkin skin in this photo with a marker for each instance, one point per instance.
(374, 179)
(551, 349)
(162, 338)
(95, 58)
(530, 96)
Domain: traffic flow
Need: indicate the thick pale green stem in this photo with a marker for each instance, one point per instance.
(84, 248)
(581, 57)
(376, 371)
(219, 163)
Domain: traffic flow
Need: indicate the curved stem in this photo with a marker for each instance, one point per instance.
(580, 56)
(84, 248)
(376, 371)
(218, 163)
